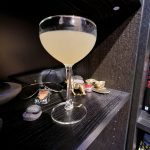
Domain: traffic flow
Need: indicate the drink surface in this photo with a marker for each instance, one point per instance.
(67, 46)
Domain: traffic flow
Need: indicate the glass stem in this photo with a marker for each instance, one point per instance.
(69, 103)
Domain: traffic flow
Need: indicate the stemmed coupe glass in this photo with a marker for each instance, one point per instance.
(68, 39)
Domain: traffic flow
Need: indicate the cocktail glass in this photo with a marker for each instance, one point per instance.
(68, 39)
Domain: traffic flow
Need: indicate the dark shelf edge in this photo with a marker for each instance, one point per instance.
(143, 121)
(88, 141)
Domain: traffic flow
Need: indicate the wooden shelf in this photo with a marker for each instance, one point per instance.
(45, 134)
(143, 121)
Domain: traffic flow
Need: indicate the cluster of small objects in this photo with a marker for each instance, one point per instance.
(33, 112)
(98, 86)
(87, 86)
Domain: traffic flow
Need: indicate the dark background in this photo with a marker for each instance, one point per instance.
(119, 56)
(20, 48)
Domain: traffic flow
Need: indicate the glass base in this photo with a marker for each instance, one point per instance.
(62, 116)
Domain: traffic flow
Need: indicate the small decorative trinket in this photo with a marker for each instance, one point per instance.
(77, 79)
(43, 96)
(77, 85)
(90, 81)
(88, 87)
(98, 86)
(34, 109)
(102, 91)
(32, 113)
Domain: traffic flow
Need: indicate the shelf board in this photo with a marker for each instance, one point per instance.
(143, 121)
(101, 109)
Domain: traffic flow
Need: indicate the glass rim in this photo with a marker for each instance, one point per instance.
(84, 18)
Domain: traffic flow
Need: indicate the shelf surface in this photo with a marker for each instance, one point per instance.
(44, 134)
(143, 121)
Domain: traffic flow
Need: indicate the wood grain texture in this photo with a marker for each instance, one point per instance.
(113, 137)
(44, 134)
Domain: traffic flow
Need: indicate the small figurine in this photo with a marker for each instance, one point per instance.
(90, 81)
(88, 87)
(95, 83)
(77, 85)
(43, 96)
(98, 86)
(32, 113)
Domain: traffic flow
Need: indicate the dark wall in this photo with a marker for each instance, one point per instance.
(20, 47)
(114, 59)
(21, 50)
